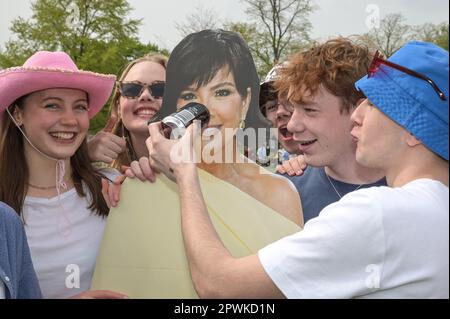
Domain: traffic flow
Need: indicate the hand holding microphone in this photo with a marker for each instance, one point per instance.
(175, 124)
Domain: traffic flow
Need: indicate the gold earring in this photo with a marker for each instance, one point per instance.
(242, 124)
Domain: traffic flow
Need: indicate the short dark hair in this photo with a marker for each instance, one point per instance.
(267, 93)
(198, 58)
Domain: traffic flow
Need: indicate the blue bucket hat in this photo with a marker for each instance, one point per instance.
(412, 102)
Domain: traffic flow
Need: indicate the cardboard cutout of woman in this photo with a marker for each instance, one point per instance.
(249, 206)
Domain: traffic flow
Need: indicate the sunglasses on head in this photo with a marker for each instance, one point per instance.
(378, 60)
(132, 90)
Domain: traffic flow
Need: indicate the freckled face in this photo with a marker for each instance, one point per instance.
(321, 129)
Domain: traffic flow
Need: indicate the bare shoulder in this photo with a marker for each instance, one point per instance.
(276, 191)
(281, 193)
(281, 186)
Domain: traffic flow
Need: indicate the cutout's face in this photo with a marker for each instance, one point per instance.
(56, 121)
(135, 112)
(226, 106)
(321, 129)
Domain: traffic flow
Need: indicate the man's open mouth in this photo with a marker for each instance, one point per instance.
(285, 134)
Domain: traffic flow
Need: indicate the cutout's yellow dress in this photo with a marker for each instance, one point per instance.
(142, 252)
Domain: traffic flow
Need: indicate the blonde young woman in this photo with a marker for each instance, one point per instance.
(138, 96)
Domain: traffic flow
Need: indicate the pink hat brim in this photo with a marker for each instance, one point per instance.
(17, 82)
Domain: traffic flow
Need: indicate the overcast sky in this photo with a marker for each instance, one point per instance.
(331, 18)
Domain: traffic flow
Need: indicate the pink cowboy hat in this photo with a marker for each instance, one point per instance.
(48, 70)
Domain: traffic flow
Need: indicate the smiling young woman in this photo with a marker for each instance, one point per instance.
(138, 97)
(46, 173)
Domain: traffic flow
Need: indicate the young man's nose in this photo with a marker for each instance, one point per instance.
(295, 123)
(358, 114)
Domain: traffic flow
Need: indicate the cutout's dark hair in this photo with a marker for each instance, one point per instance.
(198, 58)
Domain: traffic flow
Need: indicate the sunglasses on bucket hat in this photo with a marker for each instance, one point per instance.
(378, 61)
(132, 90)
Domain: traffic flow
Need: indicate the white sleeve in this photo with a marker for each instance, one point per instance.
(336, 255)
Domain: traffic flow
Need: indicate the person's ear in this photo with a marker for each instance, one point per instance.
(412, 141)
(360, 101)
(18, 116)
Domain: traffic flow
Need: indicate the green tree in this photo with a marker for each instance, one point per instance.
(435, 33)
(97, 35)
(250, 35)
(442, 36)
(276, 28)
(392, 34)
(201, 18)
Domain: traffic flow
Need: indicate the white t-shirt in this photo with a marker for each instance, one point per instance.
(2, 290)
(64, 238)
(378, 242)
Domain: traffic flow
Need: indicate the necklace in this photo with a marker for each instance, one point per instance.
(334, 187)
(42, 188)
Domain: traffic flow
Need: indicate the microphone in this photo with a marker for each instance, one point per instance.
(184, 117)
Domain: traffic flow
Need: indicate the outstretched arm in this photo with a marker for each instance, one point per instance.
(215, 273)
